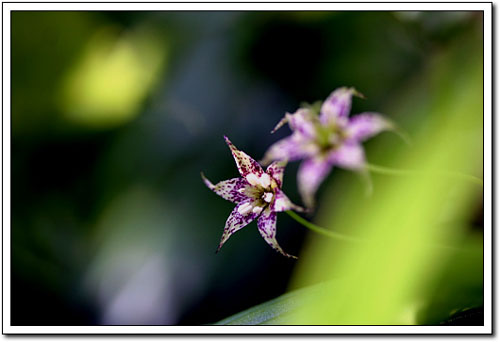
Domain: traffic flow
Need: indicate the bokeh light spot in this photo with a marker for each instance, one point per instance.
(115, 73)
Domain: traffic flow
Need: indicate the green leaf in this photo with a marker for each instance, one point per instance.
(276, 311)
(452, 295)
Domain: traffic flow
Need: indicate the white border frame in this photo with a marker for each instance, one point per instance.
(486, 7)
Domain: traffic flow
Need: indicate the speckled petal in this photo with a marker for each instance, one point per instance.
(246, 164)
(290, 148)
(231, 189)
(267, 228)
(276, 171)
(337, 105)
(365, 125)
(283, 203)
(236, 221)
(349, 156)
(310, 175)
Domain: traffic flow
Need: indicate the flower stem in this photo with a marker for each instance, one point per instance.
(401, 172)
(385, 171)
(338, 236)
(318, 229)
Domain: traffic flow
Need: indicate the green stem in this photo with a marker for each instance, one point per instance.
(318, 229)
(386, 171)
(401, 172)
(338, 236)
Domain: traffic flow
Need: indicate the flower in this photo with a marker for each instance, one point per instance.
(324, 140)
(257, 194)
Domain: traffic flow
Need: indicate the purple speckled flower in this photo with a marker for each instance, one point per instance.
(257, 194)
(324, 140)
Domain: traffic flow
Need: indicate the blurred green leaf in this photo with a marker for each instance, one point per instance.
(452, 293)
(275, 311)
(409, 223)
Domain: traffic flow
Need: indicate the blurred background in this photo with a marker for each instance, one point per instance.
(114, 115)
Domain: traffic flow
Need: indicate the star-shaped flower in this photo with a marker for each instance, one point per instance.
(257, 194)
(324, 140)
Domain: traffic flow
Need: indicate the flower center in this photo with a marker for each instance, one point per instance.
(245, 208)
(263, 181)
(330, 138)
(267, 197)
(248, 208)
(262, 190)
